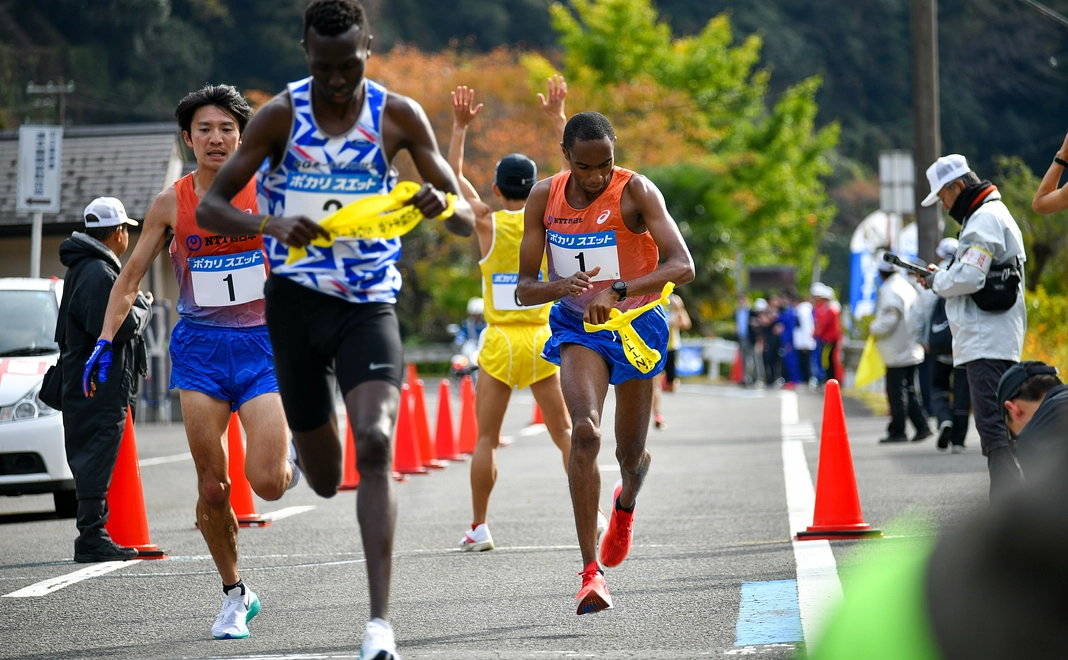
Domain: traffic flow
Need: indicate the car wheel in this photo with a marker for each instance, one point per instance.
(66, 503)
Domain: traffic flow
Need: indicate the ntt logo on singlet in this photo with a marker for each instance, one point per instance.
(193, 243)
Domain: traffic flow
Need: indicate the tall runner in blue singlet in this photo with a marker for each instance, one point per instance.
(220, 353)
(327, 141)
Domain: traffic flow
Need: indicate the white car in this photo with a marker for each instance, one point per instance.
(32, 457)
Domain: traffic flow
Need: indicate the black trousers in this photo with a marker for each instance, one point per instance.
(983, 377)
(951, 398)
(904, 402)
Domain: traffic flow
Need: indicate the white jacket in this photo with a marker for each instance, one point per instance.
(806, 325)
(893, 335)
(989, 237)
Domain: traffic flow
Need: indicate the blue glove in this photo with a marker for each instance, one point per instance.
(100, 361)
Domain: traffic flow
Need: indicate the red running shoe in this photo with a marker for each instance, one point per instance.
(593, 597)
(616, 542)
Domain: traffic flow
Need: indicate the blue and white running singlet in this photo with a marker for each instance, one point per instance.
(320, 174)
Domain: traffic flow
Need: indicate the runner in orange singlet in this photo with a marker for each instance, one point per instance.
(603, 229)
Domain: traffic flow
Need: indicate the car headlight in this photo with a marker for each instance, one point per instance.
(28, 407)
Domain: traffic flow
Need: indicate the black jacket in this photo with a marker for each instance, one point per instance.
(91, 271)
(1045, 438)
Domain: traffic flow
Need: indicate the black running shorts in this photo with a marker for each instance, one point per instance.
(316, 336)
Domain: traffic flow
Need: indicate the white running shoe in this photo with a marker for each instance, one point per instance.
(237, 610)
(378, 642)
(602, 526)
(477, 540)
(294, 465)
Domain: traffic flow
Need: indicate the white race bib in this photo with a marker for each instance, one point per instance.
(504, 286)
(575, 252)
(228, 279)
(318, 195)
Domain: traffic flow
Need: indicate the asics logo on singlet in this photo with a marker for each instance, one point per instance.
(564, 221)
(604, 216)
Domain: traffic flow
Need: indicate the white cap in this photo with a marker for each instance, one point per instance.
(946, 248)
(821, 290)
(760, 305)
(475, 306)
(944, 170)
(106, 212)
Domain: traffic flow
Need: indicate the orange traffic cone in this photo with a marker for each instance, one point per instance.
(350, 479)
(837, 513)
(127, 523)
(240, 490)
(537, 415)
(421, 425)
(406, 459)
(738, 370)
(468, 420)
(445, 437)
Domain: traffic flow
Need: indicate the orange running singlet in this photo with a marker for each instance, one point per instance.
(596, 236)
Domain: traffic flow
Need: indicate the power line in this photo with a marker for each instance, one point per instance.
(1047, 11)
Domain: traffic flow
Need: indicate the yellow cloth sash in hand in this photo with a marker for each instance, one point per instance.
(638, 352)
(378, 216)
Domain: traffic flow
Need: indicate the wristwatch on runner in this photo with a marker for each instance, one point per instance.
(620, 287)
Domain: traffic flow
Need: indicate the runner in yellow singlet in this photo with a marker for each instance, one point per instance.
(510, 356)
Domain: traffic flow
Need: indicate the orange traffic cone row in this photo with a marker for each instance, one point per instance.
(837, 513)
(538, 419)
(350, 478)
(240, 490)
(445, 437)
(738, 369)
(468, 420)
(406, 459)
(127, 523)
(420, 423)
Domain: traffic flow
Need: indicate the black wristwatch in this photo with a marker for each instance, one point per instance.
(620, 288)
(1060, 161)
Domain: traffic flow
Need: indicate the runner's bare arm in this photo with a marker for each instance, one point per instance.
(642, 199)
(1050, 197)
(462, 116)
(405, 126)
(552, 104)
(158, 221)
(531, 290)
(264, 137)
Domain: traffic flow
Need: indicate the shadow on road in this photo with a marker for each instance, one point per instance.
(27, 516)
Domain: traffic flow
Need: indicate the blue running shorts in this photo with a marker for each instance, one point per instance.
(567, 328)
(229, 364)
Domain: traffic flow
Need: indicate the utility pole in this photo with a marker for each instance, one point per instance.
(60, 90)
(926, 130)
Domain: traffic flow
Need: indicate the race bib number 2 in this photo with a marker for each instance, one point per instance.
(575, 252)
(318, 195)
(228, 279)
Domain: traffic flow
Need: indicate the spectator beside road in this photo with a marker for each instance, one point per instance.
(1050, 197)
(828, 331)
(1035, 403)
(950, 398)
(746, 339)
(771, 333)
(756, 333)
(804, 340)
(791, 371)
(984, 292)
(94, 409)
(900, 352)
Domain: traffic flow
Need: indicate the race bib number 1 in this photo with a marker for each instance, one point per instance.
(228, 279)
(575, 252)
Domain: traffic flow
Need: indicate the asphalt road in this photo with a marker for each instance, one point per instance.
(711, 519)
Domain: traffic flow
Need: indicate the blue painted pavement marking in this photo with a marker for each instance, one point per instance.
(769, 614)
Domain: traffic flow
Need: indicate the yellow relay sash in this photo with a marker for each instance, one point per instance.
(638, 352)
(378, 216)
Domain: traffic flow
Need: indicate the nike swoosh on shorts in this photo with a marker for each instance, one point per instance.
(375, 366)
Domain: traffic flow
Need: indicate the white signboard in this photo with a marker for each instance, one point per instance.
(897, 177)
(40, 161)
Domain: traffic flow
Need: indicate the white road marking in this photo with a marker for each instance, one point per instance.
(55, 584)
(533, 429)
(160, 460)
(287, 512)
(818, 586)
